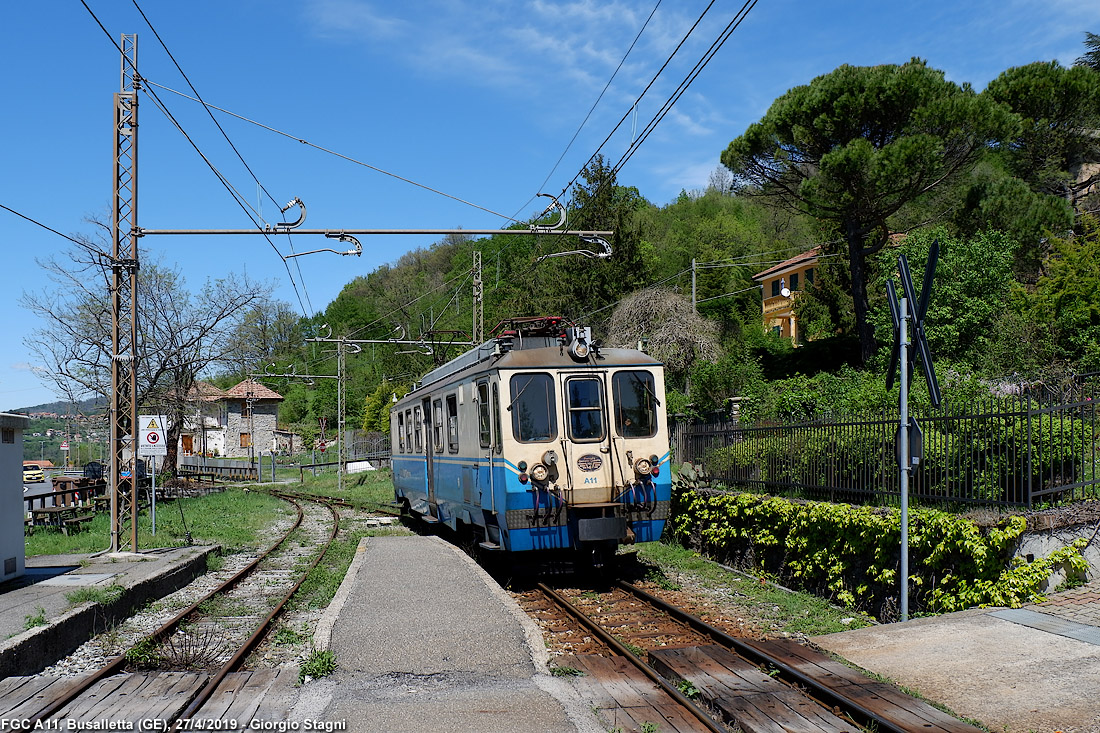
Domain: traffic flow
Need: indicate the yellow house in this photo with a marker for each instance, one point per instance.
(780, 286)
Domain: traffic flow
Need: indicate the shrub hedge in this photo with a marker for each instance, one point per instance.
(852, 553)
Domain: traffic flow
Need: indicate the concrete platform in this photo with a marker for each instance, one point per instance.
(1015, 670)
(40, 595)
(424, 640)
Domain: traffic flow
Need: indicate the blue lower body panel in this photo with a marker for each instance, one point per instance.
(523, 517)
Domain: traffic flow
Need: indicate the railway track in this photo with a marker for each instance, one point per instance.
(645, 662)
(187, 669)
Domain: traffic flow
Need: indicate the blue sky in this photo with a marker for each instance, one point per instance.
(475, 99)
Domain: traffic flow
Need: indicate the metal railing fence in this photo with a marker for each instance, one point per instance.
(1013, 451)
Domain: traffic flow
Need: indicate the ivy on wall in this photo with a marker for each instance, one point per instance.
(852, 553)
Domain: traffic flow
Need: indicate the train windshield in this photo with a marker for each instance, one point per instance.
(585, 409)
(534, 415)
(635, 404)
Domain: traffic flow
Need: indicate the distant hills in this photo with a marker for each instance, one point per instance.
(85, 407)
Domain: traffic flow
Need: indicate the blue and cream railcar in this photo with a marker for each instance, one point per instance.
(538, 441)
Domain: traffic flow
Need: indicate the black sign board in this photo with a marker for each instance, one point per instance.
(918, 307)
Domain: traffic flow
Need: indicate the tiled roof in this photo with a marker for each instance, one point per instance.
(258, 391)
(810, 254)
(205, 392)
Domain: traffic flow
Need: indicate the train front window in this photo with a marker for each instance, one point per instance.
(635, 404)
(534, 417)
(585, 409)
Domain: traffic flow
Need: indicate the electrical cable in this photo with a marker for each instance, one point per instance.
(733, 25)
(167, 113)
(337, 154)
(593, 107)
(227, 139)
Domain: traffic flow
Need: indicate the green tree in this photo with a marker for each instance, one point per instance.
(972, 287)
(1091, 58)
(855, 146)
(1068, 294)
(574, 286)
(1060, 109)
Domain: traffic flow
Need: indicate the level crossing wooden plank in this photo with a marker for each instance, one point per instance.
(272, 707)
(626, 699)
(249, 702)
(746, 696)
(24, 698)
(884, 700)
(94, 698)
(221, 699)
(167, 697)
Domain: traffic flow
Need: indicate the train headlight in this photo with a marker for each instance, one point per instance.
(579, 350)
(643, 466)
(539, 472)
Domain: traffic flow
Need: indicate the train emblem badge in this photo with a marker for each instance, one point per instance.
(589, 462)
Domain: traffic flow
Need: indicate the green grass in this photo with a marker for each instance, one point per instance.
(785, 611)
(368, 489)
(38, 618)
(318, 664)
(233, 518)
(104, 596)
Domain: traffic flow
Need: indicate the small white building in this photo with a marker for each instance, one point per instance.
(13, 549)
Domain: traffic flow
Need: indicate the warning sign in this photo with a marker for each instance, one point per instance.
(151, 435)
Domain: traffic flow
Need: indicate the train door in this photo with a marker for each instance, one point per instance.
(486, 441)
(423, 427)
(588, 436)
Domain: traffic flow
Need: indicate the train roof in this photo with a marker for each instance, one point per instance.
(534, 353)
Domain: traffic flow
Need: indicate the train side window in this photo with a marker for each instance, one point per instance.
(408, 431)
(437, 421)
(401, 432)
(534, 414)
(484, 428)
(635, 404)
(498, 438)
(418, 426)
(452, 423)
(585, 409)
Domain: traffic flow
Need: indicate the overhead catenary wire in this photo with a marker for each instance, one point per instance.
(241, 201)
(329, 151)
(593, 107)
(733, 25)
(225, 135)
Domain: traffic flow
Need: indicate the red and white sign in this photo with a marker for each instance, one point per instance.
(65, 445)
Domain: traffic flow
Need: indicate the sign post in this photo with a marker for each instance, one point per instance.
(152, 441)
(903, 360)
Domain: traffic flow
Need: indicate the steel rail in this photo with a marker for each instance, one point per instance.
(245, 649)
(758, 656)
(622, 651)
(115, 665)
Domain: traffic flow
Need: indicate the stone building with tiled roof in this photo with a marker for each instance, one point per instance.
(233, 423)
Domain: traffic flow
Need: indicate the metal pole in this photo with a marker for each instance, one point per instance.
(694, 309)
(903, 456)
(154, 498)
(340, 417)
